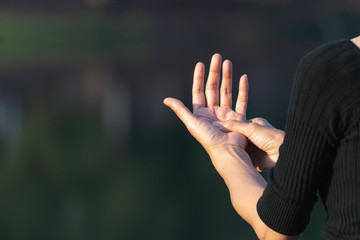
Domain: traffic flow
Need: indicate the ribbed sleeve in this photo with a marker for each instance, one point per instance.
(288, 200)
(324, 109)
(290, 220)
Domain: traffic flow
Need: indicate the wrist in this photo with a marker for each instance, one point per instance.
(245, 184)
(228, 151)
(231, 162)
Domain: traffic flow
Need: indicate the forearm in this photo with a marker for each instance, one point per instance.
(246, 186)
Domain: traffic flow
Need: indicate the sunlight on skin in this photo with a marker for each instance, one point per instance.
(215, 125)
(227, 148)
(206, 108)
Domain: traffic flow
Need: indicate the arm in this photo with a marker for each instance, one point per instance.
(246, 186)
(226, 149)
(317, 118)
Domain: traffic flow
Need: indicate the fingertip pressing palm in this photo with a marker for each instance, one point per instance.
(209, 111)
(226, 147)
(211, 105)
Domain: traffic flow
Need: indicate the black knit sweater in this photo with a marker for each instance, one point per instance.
(321, 149)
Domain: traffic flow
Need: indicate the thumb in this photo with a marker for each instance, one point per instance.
(181, 111)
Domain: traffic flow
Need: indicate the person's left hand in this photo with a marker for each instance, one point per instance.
(209, 108)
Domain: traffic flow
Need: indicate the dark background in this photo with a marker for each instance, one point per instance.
(88, 150)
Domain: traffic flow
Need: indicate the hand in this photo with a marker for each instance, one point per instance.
(208, 110)
(265, 140)
(225, 148)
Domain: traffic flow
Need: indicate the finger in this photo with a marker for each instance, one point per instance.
(226, 85)
(268, 163)
(221, 127)
(258, 134)
(241, 102)
(261, 121)
(181, 111)
(198, 87)
(244, 128)
(212, 84)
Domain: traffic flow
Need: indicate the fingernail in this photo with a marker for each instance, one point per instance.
(165, 101)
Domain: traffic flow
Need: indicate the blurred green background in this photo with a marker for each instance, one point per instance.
(88, 150)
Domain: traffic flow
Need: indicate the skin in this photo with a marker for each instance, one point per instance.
(199, 123)
(227, 149)
(356, 41)
(263, 140)
(211, 123)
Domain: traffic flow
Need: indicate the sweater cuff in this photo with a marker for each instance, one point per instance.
(283, 216)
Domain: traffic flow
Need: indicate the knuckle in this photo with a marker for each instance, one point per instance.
(197, 90)
(262, 119)
(279, 134)
(225, 91)
(212, 86)
(214, 70)
(259, 120)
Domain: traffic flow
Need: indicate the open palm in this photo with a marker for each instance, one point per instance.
(212, 105)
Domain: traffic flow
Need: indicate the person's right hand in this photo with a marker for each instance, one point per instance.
(265, 140)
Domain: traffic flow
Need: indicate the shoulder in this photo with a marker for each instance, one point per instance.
(329, 63)
(326, 86)
(328, 55)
